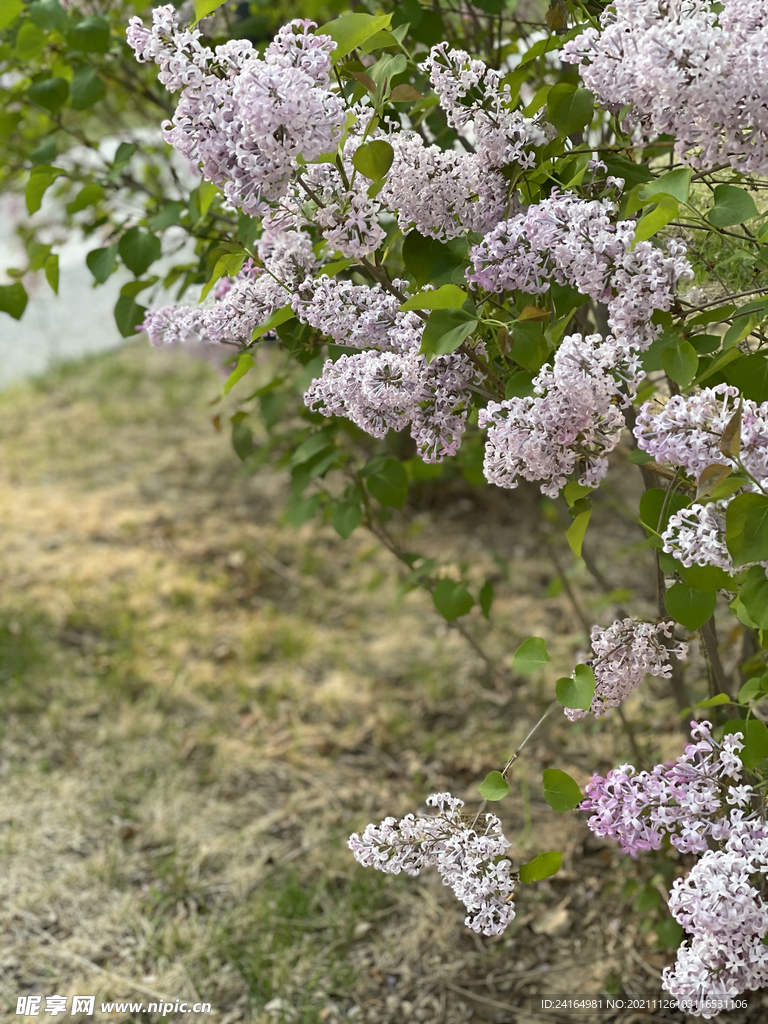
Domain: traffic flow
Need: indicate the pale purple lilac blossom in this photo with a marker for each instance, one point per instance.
(687, 71)
(245, 119)
(624, 654)
(469, 859)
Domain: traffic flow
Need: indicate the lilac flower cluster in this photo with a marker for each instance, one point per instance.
(469, 859)
(388, 385)
(478, 106)
(687, 432)
(625, 653)
(574, 421)
(687, 71)
(242, 303)
(569, 427)
(687, 800)
(247, 120)
(698, 801)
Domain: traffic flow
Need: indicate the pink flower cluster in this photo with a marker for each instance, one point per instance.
(687, 71)
(469, 859)
(247, 120)
(687, 433)
(243, 303)
(699, 801)
(625, 653)
(575, 421)
(388, 385)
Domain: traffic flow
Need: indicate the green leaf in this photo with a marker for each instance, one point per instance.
(560, 790)
(750, 375)
(205, 7)
(445, 330)
(102, 262)
(669, 933)
(711, 702)
(228, 265)
(245, 362)
(652, 503)
(543, 866)
(754, 688)
(690, 607)
(486, 598)
(754, 596)
(89, 195)
(680, 363)
(85, 89)
(447, 296)
(138, 250)
(351, 30)
(206, 193)
(733, 205)
(300, 510)
(755, 735)
(738, 331)
(40, 180)
(9, 12)
(519, 385)
(389, 484)
(427, 259)
(91, 35)
(530, 656)
(124, 152)
(242, 437)
(529, 346)
(573, 491)
(346, 517)
(665, 210)
(746, 528)
(575, 532)
(30, 40)
(569, 108)
(13, 299)
(493, 787)
(373, 159)
(705, 577)
(46, 14)
(675, 183)
(277, 317)
(552, 42)
(451, 599)
(578, 690)
(51, 270)
(50, 93)
(129, 315)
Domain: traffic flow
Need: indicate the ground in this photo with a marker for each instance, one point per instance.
(200, 704)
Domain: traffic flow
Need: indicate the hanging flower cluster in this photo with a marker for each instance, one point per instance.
(624, 654)
(688, 68)
(470, 858)
(699, 801)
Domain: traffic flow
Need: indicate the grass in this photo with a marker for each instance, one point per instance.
(198, 705)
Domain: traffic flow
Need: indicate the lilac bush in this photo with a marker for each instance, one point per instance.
(551, 249)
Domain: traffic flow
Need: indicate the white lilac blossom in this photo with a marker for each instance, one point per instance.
(569, 426)
(478, 106)
(469, 858)
(242, 303)
(441, 193)
(687, 71)
(688, 431)
(245, 119)
(624, 654)
(687, 800)
(573, 241)
(389, 385)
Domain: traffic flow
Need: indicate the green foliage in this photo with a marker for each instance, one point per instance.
(577, 691)
(542, 866)
(445, 331)
(530, 655)
(493, 787)
(560, 791)
(451, 599)
(746, 528)
(689, 606)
